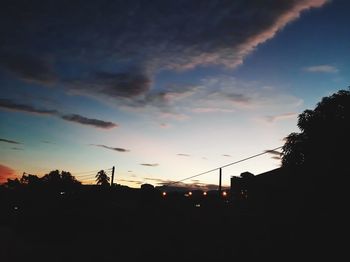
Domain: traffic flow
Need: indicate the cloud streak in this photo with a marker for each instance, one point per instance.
(88, 121)
(116, 85)
(118, 149)
(321, 69)
(186, 155)
(13, 106)
(10, 141)
(150, 165)
(76, 118)
(280, 117)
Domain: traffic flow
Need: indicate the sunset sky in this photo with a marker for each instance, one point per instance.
(162, 90)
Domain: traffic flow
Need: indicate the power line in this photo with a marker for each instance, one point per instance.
(89, 179)
(90, 175)
(85, 172)
(92, 172)
(230, 164)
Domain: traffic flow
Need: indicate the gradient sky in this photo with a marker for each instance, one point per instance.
(162, 90)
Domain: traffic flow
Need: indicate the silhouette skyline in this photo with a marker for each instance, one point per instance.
(297, 209)
(174, 130)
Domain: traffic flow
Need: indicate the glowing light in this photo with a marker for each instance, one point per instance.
(198, 205)
(224, 193)
(205, 193)
(190, 193)
(164, 194)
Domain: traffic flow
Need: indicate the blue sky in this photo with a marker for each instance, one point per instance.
(162, 89)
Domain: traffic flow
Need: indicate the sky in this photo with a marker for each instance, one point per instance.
(162, 90)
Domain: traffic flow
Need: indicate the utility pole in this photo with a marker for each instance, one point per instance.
(220, 175)
(112, 176)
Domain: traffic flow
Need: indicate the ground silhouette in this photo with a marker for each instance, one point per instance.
(296, 212)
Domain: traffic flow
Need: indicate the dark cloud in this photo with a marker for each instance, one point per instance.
(11, 105)
(115, 85)
(10, 141)
(163, 98)
(28, 68)
(88, 121)
(183, 155)
(86, 38)
(151, 165)
(112, 148)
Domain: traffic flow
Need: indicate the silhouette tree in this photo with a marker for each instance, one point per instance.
(60, 181)
(317, 156)
(324, 134)
(12, 183)
(102, 178)
(68, 181)
(30, 180)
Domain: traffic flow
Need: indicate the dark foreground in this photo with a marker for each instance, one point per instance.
(112, 226)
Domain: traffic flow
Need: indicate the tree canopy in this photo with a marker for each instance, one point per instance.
(102, 178)
(54, 180)
(324, 138)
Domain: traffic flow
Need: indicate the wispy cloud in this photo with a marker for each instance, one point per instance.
(164, 125)
(187, 155)
(13, 106)
(88, 121)
(173, 115)
(281, 117)
(227, 155)
(16, 148)
(48, 142)
(10, 141)
(138, 182)
(119, 149)
(151, 165)
(228, 94)
(212, 110)
(154, 179)
(321, 69)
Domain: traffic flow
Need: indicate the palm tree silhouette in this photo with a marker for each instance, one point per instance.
(102, 178)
